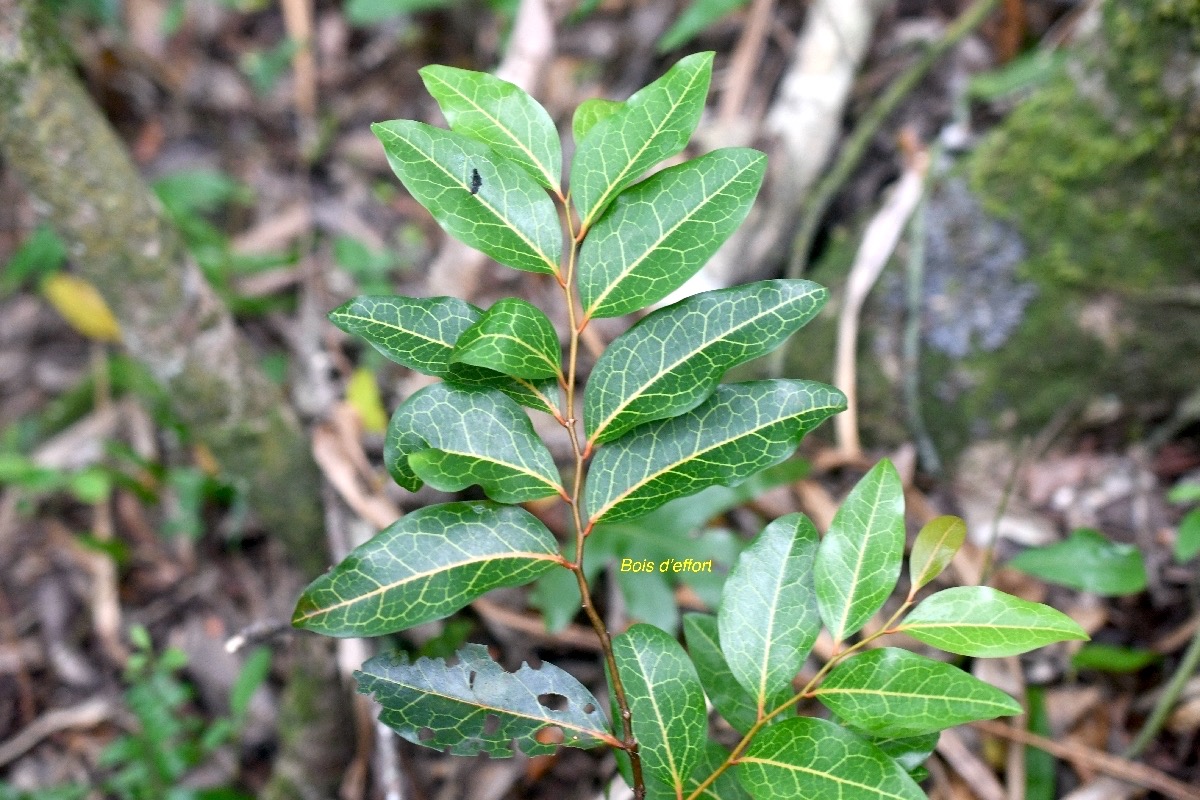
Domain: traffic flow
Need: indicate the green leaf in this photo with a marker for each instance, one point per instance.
(590, 112)
(513, 337)
(502, 116)
(738, 431)
(452, 438)
(1040, 773)
(654, 124)
(1187, 539)
(660, 232)
(665, 701)
(1110, 658)
(649, 598)
(731, 701)
(426, 566)
(910, 752)
(898, 693)
(817, 760)
(476, 706)
(934, 547)
(1087, 561)
(1184, 492)
(725, 787)
(699, 15)
(858, 562)
(986, 623)
(671, 361)
(768, 616)
(477, 197)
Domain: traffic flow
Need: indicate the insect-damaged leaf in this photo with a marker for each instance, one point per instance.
(426, 566)
(671, 361)
(503, 212)
(513, 337)
(476, 706)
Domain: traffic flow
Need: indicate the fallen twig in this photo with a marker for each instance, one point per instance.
(85, 715)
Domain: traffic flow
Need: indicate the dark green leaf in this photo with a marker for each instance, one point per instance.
(934, 547)
(858, 562)
(476, 706)
(1109, 658)
(1187, 539)
(725, 787)
(768, 617)
(589, 112)
(732, 702)
(665, 701)
(1087, 561)
(898, 693)
(699, 15)
(671, 361)
(452, 438)
(479, 198)
(660, 232)
(817, 760)
(910, 752)
(502, 116)
(654, 124)
(426, 566)
(986, 623)
(738, 431)
(513, 337)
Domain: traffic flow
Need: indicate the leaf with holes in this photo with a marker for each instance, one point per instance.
(858, 562)
(817, 760)
(986, 623)
(502, 116)
(934, 547)
(897, 693)
(740, 430)
(477, 197)
(513, 337)
(476, 706)
(426, 566)
(665, 701)
(452, 438)
(671, 361)
(731, 701)
(660, 232)
(653, 124)
(768, 616)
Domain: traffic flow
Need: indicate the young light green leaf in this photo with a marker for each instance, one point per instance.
(477, 706)
(731, 701)
(452, 437)
(502, 116)
(858, 562)
(590, 112)
(986, 623)
(1087, 561)
(934, 547)
(1112, 658)
(741, 429)
(671, 361)
(655, 123)
(817, 760)
(426, 566)
(699, 15)
(899, 693)
(725, 787)
(479, 198)
(1187, 539)
(768, 617)
(513, 337)
(665, 701)
(661, 231)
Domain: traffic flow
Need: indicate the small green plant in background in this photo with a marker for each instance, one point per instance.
(652, 425)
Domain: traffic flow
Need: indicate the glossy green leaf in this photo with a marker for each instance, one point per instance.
(858, 562)
(665, 701)
(934, 547)
(477, 706)
(502, 116)
(984, 622)
(732, 702)
(818, 760)
(590, 112)
(513, 337)
(426, 566)
(699, 14)
(1187, 539)
(738, 431)
(1110, 658)
(480, 199)
(899, 693)
(910, 752)
(1087, 561)
(654, 124)
(452, 438)
(671, 361)
(725, 787)
(661, 231)
(768, 617)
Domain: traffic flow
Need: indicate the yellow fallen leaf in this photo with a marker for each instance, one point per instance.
(362, 392)
(81, 306)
